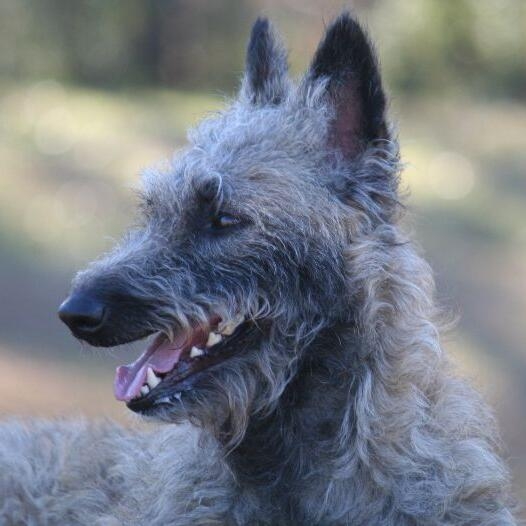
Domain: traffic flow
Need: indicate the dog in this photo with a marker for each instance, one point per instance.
(294, 350)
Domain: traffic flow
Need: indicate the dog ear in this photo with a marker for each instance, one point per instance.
(266, 78)
(346, 60)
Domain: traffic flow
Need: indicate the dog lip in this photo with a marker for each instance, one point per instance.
(108, 340)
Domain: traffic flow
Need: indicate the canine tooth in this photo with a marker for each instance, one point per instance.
(177, 396)
(213, 339)
(230, 326)
(195, 352)
(228, 329)
(145, 390)
(152, 379)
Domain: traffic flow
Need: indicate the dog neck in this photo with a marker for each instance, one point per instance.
(300, 438)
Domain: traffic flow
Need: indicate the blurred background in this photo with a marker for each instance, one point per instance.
(92, 91)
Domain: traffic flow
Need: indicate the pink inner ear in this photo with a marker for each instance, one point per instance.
(346, 129)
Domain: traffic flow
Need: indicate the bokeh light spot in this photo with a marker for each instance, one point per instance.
(54, 131)
(451, 175)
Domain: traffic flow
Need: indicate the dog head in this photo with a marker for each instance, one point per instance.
(238, 261)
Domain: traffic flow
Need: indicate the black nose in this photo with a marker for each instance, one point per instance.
(83, 314)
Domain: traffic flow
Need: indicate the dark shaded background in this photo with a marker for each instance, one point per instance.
(93, 91)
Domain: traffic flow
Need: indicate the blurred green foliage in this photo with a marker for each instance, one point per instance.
(475, 45)
(428, 45)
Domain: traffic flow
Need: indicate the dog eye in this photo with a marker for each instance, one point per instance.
(222, 221)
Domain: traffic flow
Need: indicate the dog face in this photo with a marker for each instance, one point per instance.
(238, 261)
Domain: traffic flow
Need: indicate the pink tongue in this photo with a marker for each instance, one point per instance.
(161, 356)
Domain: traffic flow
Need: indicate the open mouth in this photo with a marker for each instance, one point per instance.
(141, 383)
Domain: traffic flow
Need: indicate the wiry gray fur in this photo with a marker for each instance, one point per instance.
(340, 408)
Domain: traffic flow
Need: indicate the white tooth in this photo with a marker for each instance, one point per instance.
(152, 379)
(195, 352)
(178, 396)
(230, 326)
(228, 329)
(145, 390)
(213, 339)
